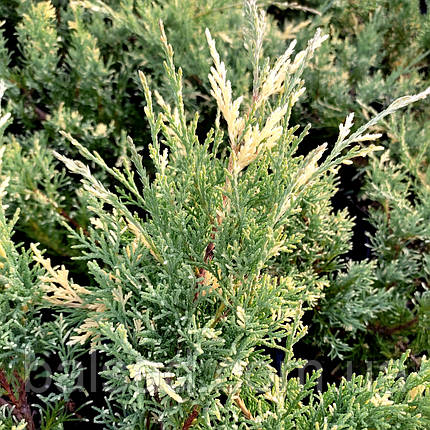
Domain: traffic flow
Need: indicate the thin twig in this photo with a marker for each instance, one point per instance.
(295, 6)
(241, 405)
(190, 420)
(388, 331)
(21, 408)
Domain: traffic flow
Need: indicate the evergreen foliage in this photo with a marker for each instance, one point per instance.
(378, 50)
(183, 254)
(74, 68)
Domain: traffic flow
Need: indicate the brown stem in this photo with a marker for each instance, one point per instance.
(58, 15)
(6, 386)
(21, 408)
(219, 315)
(209, 254)
(61, 211)
(190, 420)
(214, 10)
(23, 402)
(388, 331)
(71, 221)
(241, 405)
(41, 114)
(4, 402)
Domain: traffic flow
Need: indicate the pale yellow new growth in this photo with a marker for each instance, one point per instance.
(256, 141)
(118, 294)
(22, 425)
(85, 332)
(304, 175)
(167, 116)
(2, 150)
(3, 86)
(247, 146)
(155, 379)
(344, 131)
(97, 223)
(384, 400)
(367, 137)
(59, 290)
(311, 166)
(46, 10)
(211, 282)
(291, 29)
(416, 391)
(96, 188)
(3, 186)
(3, 255)
(4, 119)
(274, 81)
(407, 100)
(146, 242)
(221, 91)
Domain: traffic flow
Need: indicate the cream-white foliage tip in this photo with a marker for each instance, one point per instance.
(311, 166)
(3, 119)
(155, 379)
(307, 53)
(358, 135)
(256, 141)
(95, 187)
(59, 289)
(21, 426)
(221, 91)
(2, 88)
(274, 81)
(345, 128)
(247, 141)
(406, 100)
(378, 400)
(3, 185)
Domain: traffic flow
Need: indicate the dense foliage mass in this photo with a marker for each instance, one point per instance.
(378, 50)
(184, 232)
